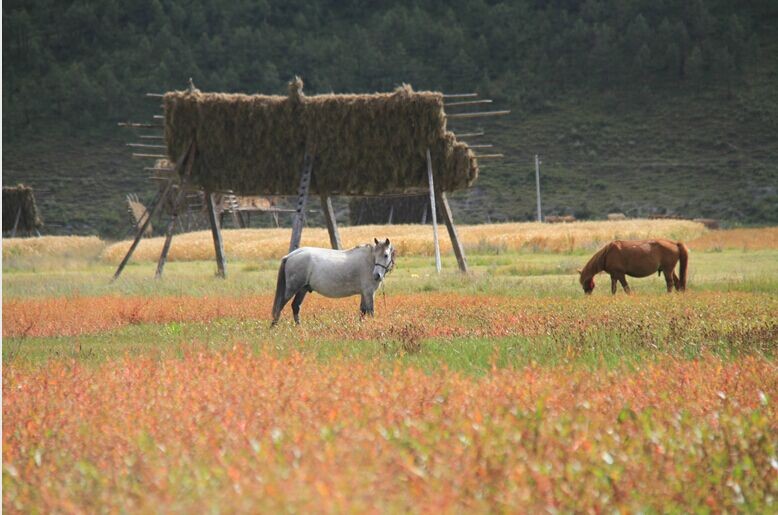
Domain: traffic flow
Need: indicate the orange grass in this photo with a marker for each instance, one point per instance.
(430, 314)
(247, 244)
(245, 432)
(746, 239)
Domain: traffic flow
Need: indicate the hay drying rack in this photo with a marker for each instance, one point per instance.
(182, 170)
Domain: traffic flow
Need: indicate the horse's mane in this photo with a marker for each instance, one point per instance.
(594, 265)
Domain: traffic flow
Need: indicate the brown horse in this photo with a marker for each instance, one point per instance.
(637, 258)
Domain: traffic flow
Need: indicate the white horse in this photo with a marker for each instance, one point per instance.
(333, 273)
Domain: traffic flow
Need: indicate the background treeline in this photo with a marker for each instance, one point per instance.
(89, 61)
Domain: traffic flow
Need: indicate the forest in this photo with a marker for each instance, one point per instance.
(82, 63)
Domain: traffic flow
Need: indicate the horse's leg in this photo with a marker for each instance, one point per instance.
(366, 304)
(277, 315)
(676, 281)
(614, 282)
(298, 300)
(623, 281)
(669, 279)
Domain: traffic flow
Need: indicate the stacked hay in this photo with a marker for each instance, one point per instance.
(16, 198)
(377, 210)
(363, 144)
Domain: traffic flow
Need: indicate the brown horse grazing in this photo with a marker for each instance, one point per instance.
(637, 258)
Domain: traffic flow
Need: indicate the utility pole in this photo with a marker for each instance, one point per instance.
(537, 185)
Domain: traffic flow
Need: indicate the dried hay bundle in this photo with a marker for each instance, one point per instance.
(377, 210)
(16, 198)
(362, 144)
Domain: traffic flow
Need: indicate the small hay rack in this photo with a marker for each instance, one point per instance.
(20, 211)
(381, 144)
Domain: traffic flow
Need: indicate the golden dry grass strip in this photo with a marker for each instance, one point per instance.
(247, 244)
(86, 247)
(745, 238)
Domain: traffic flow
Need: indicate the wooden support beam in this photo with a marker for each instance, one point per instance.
(16, 222)
(153, 212)
(477, 114)
(174, 215)
(159, 117)
(445, 211)
(489, 156)
(433, 211)
(145, 145)
(468, 103)
(332, 224)
(155, 95)
(216, 232)
(460, 95)
(302, 201)
(148, 136)
(140, 125)
(470, 134)
(481, 146)
(146, 156)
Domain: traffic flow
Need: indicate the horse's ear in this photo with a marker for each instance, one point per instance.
(375, 240)
(579, 271)
(386, 243)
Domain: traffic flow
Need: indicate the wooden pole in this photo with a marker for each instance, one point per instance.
(16, 222)
(153, 211)
(216, 232)
(302, 201)
(537, 185)
(433, 210)
(140, 125)
(332, 224)
(155, 156)
(445, 211)
(145, 145)
(477, 115)
(174, 215)
(468, 103)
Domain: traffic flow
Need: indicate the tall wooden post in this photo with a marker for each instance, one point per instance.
(180, 196)
(302, 201)
(153, 211)
(445, 211)
(434, 215)
(332, 224)
(216, 232)
(16, 222)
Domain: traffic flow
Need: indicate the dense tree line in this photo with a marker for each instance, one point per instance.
(86, 62)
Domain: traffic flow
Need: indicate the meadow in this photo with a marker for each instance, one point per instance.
(503, 390)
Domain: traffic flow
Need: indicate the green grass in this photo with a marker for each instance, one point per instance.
(543, 276)
(522, 274)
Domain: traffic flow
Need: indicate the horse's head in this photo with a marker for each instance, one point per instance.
(586, 282)
(383, 259)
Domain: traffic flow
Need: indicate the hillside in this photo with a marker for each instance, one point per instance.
(703, 153)
(640, 108)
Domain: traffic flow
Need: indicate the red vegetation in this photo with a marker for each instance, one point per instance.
(256, 432)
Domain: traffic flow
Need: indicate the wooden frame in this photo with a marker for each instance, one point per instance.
(438, 200)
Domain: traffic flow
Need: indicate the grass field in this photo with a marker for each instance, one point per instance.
(506, 390)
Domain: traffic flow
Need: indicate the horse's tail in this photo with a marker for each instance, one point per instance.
(278, 302)
(683, 250)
